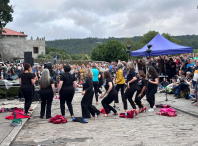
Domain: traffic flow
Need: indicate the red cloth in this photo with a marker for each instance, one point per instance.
(18, 116)
(102, 111)
(167, 112)
(19, 113)
(58, 119)
(129, 114)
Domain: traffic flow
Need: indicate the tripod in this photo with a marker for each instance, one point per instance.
(166, 100)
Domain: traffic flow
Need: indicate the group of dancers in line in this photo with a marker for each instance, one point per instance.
(67, 87)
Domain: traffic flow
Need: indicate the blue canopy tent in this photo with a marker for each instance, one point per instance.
(162, 46)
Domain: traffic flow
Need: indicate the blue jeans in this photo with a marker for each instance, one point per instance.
(54, 60)
(194, 85)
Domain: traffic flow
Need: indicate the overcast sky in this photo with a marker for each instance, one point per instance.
(61, 19)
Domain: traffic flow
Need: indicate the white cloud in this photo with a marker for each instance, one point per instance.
(103, 18)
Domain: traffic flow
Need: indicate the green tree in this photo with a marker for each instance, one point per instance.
(79, 57)
(170, 38)
(148, 37)
(6, 11)
(113, 50)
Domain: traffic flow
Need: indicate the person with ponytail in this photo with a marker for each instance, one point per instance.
(131, 87)
(152, 87)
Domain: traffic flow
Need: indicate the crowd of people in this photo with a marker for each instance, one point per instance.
(143, 76)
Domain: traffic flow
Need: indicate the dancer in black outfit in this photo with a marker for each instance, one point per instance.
(26, 81)
(86, 103)
(66, 88)
(152, 87)
(47, 92)
(140, 92)
(100, 81)
(131, 87)
(111, 94)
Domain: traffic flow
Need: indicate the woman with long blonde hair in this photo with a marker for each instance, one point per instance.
(86, 103)
(47, 92)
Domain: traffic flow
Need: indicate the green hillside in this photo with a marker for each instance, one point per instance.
(86, 45)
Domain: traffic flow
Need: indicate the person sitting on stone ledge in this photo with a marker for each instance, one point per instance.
(55, 58)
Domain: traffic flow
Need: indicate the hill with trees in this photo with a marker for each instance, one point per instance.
(86, 45)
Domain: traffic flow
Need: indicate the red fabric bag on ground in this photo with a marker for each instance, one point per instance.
(167, 112)
(129, 114)
(19, 113)
(102, 111)
(58, 119)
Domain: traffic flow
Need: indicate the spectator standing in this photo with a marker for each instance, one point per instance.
(190, 66)
(172, 67)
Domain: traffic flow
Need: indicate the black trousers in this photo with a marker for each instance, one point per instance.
(107, 100)
(138, 99)
(66, 95)
(95, 85)
(87, 107)
(28, 95)
(150, 93)
(129, 95)
(46, 99)
(118, 87)
(99, 86)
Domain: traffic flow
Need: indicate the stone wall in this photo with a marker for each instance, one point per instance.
(59, 61)
(14, 47)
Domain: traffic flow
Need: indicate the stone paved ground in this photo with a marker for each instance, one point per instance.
(5, 128)
(147, 129)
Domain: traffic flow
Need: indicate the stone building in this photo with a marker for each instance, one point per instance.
(13, 45)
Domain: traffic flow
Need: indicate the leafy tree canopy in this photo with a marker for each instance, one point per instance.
(6, 11)
(113, 50)
(79, 57)
(50, 52)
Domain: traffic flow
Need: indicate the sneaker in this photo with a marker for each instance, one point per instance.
(192, 99)
(151, 110)
(177, 97)
(194, 102)
(154, 107)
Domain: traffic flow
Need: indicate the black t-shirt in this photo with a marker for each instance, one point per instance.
(168, 66)
(67, 79)
(150, 85)
(101, 79)
(107, 85)
(174, 68)
(26, 80)
(88, 85)
(130, 76)
(141, 82)
(49, 87)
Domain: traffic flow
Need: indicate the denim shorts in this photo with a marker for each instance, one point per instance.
(194, 85)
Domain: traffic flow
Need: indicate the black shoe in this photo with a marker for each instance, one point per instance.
(21, 99)
(10, 98)
(177, 97)
(41, 117)
(48, 117)
(194, 102)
